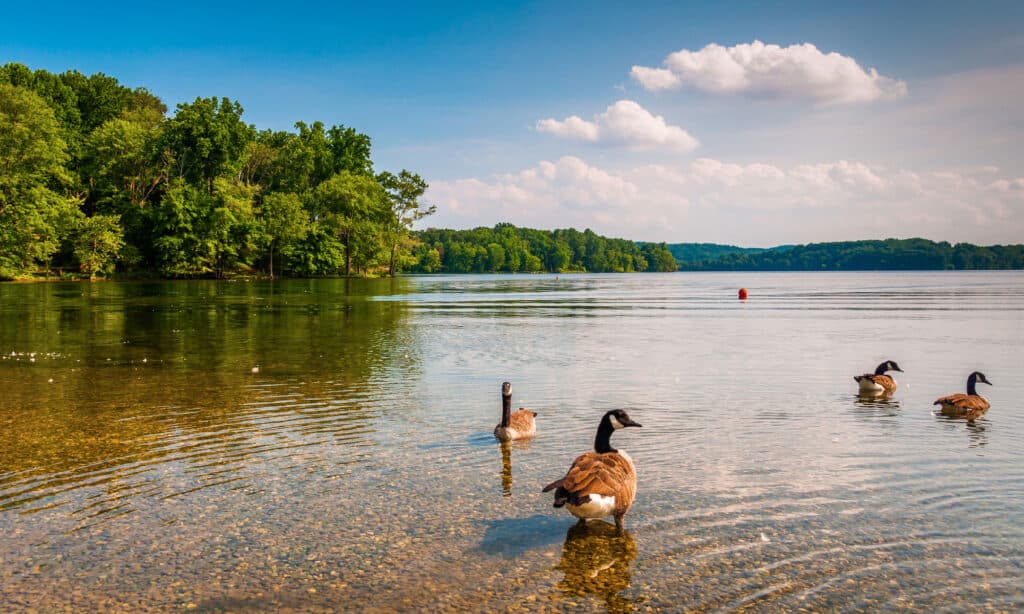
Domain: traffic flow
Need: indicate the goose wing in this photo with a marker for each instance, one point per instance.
(522, 420)
(883, 380)
(594, 473)
(964, 402)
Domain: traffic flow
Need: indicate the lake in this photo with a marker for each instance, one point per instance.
(322, 445)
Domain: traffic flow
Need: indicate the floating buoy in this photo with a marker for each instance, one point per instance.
(743, 294)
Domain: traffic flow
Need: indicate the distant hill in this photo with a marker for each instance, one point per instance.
(890, 254)
(700, 252)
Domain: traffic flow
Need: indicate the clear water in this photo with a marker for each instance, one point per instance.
(325, 444)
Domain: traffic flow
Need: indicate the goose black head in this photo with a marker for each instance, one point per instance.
(620, 419)
(506, 389)
(888, 365)
(979, 377)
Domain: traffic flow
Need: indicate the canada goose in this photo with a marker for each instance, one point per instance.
(878, 382)
(971, 405)
(518, 425)
(603, 482)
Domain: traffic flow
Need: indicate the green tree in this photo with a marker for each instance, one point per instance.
(120, 159)
(430, 260)
(98, 243)
(181, 225)
(234, 230)
(284, 221)
(34, 217)
(351, 204)
(405, 191)
(205, 139)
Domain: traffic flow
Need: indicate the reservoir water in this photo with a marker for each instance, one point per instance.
(325, 445)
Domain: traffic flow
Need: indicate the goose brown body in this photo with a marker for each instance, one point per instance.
(521, 425)
(599, 483)
(878, 382)
(971, 405)
(514, 425)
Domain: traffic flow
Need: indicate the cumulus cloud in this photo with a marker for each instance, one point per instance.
(759, 69)
(625, 124)
(569, 184)
(749, 204)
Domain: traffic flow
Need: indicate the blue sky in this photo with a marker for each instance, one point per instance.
(479, 99)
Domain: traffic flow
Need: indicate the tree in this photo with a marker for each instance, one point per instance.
(33, 216)
(180, 225)
(98, 242)
(284, 221)
(99, 98)
(120, 160)
(344, 202)
(350, 151)
(404, 191)
(205, 138)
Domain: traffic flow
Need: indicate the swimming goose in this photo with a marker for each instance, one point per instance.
(599, 483)
(518, 425)
(971, 405)
(878, 382)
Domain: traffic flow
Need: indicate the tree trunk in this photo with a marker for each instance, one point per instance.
(348, 256)
(391, 266)
(271, 260)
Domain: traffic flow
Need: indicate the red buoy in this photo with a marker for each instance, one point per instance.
(743, 294)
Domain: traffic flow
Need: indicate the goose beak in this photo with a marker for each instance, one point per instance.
(631, 422)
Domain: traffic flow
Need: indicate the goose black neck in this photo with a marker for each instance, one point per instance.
(881, 369)
(971, 381)
(506, 409)
(602, 442)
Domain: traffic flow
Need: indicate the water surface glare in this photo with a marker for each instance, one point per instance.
(323, 445)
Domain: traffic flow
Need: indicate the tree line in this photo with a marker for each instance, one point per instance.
(95, 177)
(507, 248)
(890, 254)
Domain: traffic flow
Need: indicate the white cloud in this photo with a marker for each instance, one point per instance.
(656, 79)
(569, 184)
(626, 124)
(748, 204)
(797, 71)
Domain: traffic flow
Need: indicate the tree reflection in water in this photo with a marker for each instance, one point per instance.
(596, 561)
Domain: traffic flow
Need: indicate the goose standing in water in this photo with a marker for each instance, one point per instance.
(878, 382)
(517, 425)
(971, 405)
(603, 482)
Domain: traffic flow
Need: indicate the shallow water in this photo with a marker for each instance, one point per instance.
(325, 444)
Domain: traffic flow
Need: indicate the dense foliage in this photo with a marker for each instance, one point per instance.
(699, 252)
(95, 177)
(508, 248)
(890, 254)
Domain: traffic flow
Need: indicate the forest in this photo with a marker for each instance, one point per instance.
(890, 254)
(507, 248)
(96, 179)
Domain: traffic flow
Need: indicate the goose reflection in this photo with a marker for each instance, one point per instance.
(506, 464)
(976, 435)
(882, 401)
(506, 469)
(596, 561)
